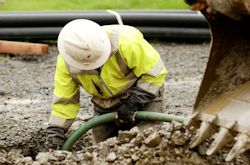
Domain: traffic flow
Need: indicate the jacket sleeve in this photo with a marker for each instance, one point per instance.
(65, 105)
(145, 62)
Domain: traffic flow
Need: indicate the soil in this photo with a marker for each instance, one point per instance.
(26, 90)
(231, 72)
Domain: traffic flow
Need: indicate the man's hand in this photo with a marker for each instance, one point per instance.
(126, 115)
(55, 138)
(138, 99)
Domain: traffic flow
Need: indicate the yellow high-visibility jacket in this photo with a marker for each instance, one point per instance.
(133, 62)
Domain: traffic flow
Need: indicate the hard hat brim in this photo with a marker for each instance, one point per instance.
(94, 65)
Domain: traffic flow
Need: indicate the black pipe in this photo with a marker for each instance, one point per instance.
(168, 24)
(51, 33)
(176, 33)
(134, 18)
(19, 33)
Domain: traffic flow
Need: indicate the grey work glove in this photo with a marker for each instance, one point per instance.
(137, 99)
(55, 137)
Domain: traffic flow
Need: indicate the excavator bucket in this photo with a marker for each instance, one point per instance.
(222, 107)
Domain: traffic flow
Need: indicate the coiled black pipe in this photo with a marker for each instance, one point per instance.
(134, 18)
(164, 24)
(51, 33)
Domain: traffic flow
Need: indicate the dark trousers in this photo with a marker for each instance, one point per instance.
(102, 132)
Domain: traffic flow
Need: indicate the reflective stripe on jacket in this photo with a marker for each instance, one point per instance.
(133, 62)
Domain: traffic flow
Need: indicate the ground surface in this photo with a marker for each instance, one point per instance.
(26, 89)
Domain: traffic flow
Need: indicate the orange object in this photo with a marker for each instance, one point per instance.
(23, 48)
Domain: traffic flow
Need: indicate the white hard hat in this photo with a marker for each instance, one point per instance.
(84, 44)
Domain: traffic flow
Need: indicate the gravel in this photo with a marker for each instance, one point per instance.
(26, 90)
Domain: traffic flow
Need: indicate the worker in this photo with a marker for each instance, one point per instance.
(115, 65)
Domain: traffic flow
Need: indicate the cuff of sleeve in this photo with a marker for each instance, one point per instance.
(60, 122)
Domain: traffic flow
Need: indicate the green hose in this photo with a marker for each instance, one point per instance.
(105, 118)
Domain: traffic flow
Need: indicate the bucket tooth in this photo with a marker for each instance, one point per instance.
(191, 120)
(206, 130)
(222, 138)
(242, 144)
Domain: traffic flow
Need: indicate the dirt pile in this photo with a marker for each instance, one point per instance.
(166, 144)
(26, 90)
(232, 71)
(163, 145)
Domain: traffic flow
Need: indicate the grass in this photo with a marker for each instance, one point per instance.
(49, 5)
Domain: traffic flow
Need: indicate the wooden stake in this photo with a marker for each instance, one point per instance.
(23, 48)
